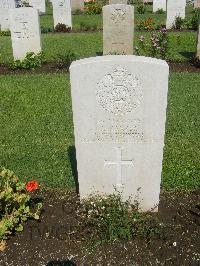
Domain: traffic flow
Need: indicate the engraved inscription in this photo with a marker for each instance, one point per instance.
(119, 130)
(119, 163)
(25, 31)
(118, 14)
(120, 92)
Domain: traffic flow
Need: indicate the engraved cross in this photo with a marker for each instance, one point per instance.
(119, 163)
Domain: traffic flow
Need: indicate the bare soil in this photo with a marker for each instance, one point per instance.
(56, 68)
(61, 239)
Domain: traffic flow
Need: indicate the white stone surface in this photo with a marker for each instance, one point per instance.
(62, 12)
(38, 4)
(159, 4)
(5, 5)
(25, 31)
(119, 111)
(114, 2)
(175, 9)
(4, 19)
(118, 28)
(77, 5)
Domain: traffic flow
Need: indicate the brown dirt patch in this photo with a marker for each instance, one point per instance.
(60, 239)
(55, 68)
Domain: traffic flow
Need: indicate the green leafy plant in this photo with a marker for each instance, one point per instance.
(193, 22)
(86, 27)
(31, 61)
(147, 24)
(160, 11)
(46, 29)
(5, 33)
(62, 28)
(92, 8)
(113, 219)
(157, 46)
(141, 8)
(64, 61)
(179, 23)
(16, 205)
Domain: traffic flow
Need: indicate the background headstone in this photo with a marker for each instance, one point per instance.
(119, 112)
(114, 2)
(5, 5)
(25, 31)
(62, 12)
(77, 5)
(197, 4)
(159, 4)
(175, 9)
(118, 28)
(38, 4)
(198, 44)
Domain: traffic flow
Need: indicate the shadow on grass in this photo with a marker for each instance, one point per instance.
(99, 53)
(187, 55)
(73, 162)
(61, 263)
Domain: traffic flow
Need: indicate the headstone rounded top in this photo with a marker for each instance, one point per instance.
(117, 58)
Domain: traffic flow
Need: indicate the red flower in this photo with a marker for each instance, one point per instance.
(32, 185)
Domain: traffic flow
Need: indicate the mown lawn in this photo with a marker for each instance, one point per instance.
(182, 45)
(36, 138)
(160, 19)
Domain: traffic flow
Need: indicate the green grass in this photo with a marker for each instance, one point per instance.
(182, 45)
(160, 19)
(37, 129)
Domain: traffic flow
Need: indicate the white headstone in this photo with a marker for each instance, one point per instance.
(175, 9)
(62, 12)
(198, 44)
(119, 111)
(118, 28)
(77, 5)
(25, 31)
(196, 3)
(5, 5)
(114, 2)
(38, 4)
(159, 4)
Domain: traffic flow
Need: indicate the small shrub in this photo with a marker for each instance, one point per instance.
(179, 23)
(141, 9)
(5, 33)
(15, 203)
(62, 28)
(193, 23)
(157, 46)
(86, 27)
(113, 219)
(160, 11)
(93, 8)
(64, 61)
(31, 61)
(46, 29)
(147, 24)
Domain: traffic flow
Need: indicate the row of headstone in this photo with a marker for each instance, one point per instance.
(61, 10)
